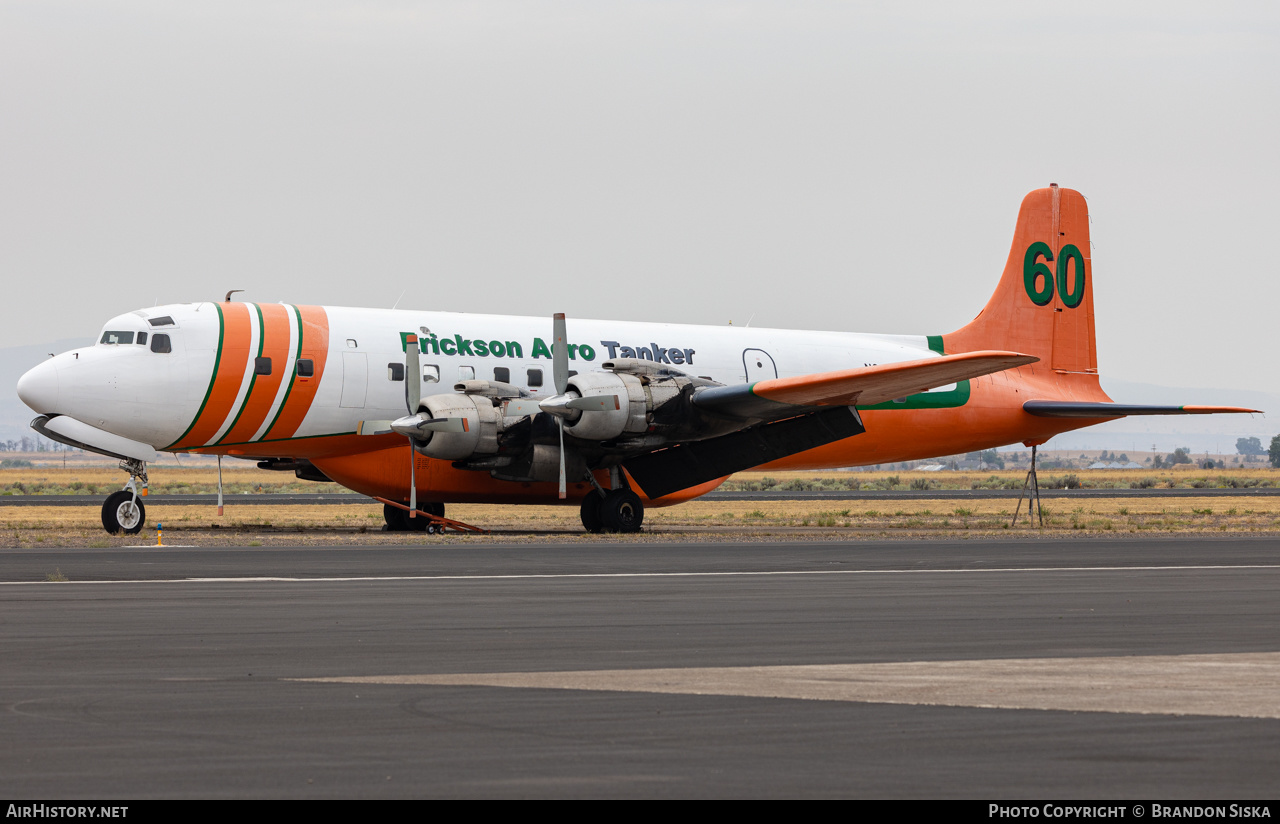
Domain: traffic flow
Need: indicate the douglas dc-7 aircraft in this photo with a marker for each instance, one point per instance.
(421, 408)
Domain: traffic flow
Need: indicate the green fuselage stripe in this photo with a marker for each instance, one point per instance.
(929, 400)
(217, 361)
(262, 335)
(264, 440)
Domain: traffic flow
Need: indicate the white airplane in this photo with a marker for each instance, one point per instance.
(441, 407)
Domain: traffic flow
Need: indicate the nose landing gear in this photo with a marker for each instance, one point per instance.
(123, 511)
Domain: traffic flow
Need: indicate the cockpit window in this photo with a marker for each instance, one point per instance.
(163, 320)
(142, 338)
(160, 344)
(117, 337)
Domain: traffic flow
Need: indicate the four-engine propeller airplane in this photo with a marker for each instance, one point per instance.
(423, 408)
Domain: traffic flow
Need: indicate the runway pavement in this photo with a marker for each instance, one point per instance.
(1044, 668)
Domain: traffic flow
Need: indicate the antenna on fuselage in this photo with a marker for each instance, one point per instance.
(227, 299)
(397, 303)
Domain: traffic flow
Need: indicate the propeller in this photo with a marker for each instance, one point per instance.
(412, 400)
(560, 405)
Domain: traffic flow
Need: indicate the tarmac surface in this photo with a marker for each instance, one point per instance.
(1050, 668)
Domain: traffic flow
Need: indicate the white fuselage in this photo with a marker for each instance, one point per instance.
(154, 397)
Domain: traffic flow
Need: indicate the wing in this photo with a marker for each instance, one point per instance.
(865, 386)
(1082, 409)
(784, 416)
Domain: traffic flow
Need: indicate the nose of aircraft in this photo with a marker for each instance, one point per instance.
(38, 388)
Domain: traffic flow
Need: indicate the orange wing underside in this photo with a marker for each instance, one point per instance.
(877, 384)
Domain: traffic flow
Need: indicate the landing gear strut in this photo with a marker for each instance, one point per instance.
(1030, 489)
(613, 510)
(123, 511)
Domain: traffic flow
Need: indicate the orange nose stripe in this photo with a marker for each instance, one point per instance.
(230, 362)
(273, 344)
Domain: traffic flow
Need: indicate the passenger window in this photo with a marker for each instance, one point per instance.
(160, 344)
(502, 374)
(466, 373)
(261, 366)
(306, 368)
(535, 377)
(142, 338)
(395, 371)
(351, 343)
(430, 373)
(117, 337)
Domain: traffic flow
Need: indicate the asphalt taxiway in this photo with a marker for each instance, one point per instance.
(1100, 668)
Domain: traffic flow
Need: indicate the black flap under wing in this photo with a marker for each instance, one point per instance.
(696, 462)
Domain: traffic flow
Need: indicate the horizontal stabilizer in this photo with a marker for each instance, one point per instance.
(1084, 409)
(863, 386)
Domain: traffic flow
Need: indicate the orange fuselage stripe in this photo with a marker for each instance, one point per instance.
(315, 347)
(262, 393)
(231, 363)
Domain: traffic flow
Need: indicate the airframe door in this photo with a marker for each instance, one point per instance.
(759, 365)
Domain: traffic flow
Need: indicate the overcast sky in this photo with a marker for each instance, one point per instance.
(812, 164)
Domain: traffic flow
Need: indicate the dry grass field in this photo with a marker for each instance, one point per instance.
(698, 520)
(240, 477)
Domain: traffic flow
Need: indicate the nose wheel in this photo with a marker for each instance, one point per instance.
(123, 511)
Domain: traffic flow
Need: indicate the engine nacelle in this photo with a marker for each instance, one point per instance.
(482, 424)
(602, 425)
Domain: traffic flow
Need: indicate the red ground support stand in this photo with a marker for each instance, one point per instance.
(435, 519)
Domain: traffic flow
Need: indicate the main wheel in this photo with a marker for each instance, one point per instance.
(592, 518)
(121, 513)
(397, 519)
(622, 511)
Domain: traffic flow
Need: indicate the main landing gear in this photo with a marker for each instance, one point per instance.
(399, 521)
(612, 510)
(123, 511)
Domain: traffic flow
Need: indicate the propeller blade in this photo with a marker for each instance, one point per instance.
(413, 482)
(413, 375)
(595, 403)
(560, 353)
(563, 489)
(518, 408)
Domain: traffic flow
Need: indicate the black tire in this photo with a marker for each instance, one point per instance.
(397, 519)
(119, 513)
(622, 511)
(592, 518)
(435, 509)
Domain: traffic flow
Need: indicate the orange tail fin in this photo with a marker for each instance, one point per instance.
(1044, 303)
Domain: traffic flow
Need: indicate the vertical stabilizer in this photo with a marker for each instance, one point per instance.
(1044, 303)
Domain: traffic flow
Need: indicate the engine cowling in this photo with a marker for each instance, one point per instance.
(602, 425)
(482, 424)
